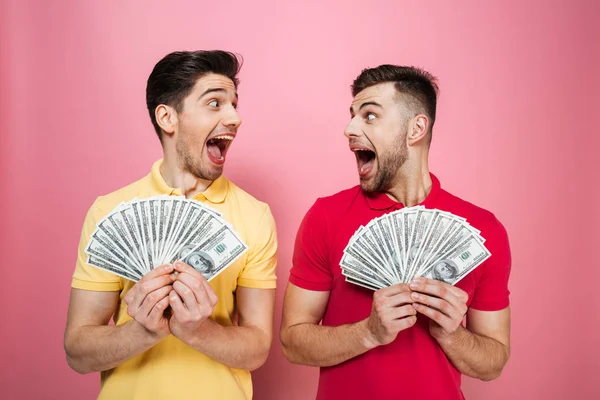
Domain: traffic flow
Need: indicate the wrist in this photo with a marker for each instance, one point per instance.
(145, 335)
(367, 339)
(450, 339)
(196, 336)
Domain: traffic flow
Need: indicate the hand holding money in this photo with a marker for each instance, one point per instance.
(391, 313)
(137, 236)
(149, 298)
(445, 305)
(411, 242)
(192, 301)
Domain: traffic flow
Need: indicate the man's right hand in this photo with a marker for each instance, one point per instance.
(148, 299)
(391, 313)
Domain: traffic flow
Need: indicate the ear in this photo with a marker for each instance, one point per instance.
(417, 130)
(166, 118)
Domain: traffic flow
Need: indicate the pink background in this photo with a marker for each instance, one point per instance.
(516, 133)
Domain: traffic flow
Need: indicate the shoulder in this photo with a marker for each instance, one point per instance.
(479, 217)
(249, 206)
(105, 203)
(336, 204)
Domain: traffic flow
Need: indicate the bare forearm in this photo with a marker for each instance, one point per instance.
(475, 355)
(100, 348)
(324, 346)
(240, 347)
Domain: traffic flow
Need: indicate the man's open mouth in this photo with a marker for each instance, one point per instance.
(217, 147)
(365, 159)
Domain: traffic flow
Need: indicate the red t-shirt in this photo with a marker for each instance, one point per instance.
(413, 366)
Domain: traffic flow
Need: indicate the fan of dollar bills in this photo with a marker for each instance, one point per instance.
(143, 234)
(412, 242)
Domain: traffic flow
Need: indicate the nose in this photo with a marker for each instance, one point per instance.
(232, 118)
(353, 128)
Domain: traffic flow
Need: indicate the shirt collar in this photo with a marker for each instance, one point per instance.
(215, 193)
(381, 201)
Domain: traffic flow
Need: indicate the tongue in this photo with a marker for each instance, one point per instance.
(366, 166)
(214, 151)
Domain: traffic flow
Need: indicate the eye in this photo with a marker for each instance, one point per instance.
(214, 103)
(235, 105)
(370, 116)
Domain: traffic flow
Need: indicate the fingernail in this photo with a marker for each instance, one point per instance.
(415, 296)
(414, 285)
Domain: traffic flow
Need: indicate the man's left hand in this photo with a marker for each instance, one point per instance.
(444, 304)
(192, 301)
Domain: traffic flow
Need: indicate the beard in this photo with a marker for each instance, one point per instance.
(388, 165)
(191, 160)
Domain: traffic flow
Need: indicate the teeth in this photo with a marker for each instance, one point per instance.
(224, 137)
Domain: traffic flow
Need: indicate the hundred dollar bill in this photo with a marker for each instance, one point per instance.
(115, 228)
(197, 218)
(382, 229)
(456, 264)
(438, 226)
(215, 254)
(408, 219)
(367, 243)
(101, 263)
(140, 210)
(182, 208)
(361, 283)
(421, 226)
(360, 267)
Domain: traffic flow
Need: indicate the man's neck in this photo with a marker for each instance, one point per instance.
(176, 177)
(412, 186)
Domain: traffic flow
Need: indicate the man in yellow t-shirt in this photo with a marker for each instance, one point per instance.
(215, 332)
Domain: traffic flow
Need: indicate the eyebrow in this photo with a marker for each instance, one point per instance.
(213, 90)
(365, 104)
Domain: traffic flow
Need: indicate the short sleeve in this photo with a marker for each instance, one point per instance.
(310, 263)
(492, 293)
(85, 276)
(259, 271)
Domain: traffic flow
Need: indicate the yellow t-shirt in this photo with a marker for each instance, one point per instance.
(171, 369)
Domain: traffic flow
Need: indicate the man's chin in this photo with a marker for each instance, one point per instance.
(208, 173)
(367, 187)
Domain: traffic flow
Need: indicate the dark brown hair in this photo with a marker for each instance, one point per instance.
(174, 77)
(419, 86)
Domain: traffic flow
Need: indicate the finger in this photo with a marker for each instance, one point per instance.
(183, 267)
(403, 323)
(439, 304)
(157, 311)
(187, 296)
(400, 312)
(438, 285)
(177, 305)
(143, 288)
(152, 299)
(444, 321)
(434, 288)
(212, 295)
(195, 285)
(164, 269)
(393, 290)
(399, 299)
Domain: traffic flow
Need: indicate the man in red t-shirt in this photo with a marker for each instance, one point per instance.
(406, 341)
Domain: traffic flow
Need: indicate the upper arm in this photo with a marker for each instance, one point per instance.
(492, 324)
(301, 306)
(85, 276)
(259, 271)
(88, 307)
(491, 292)
(255, 308)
